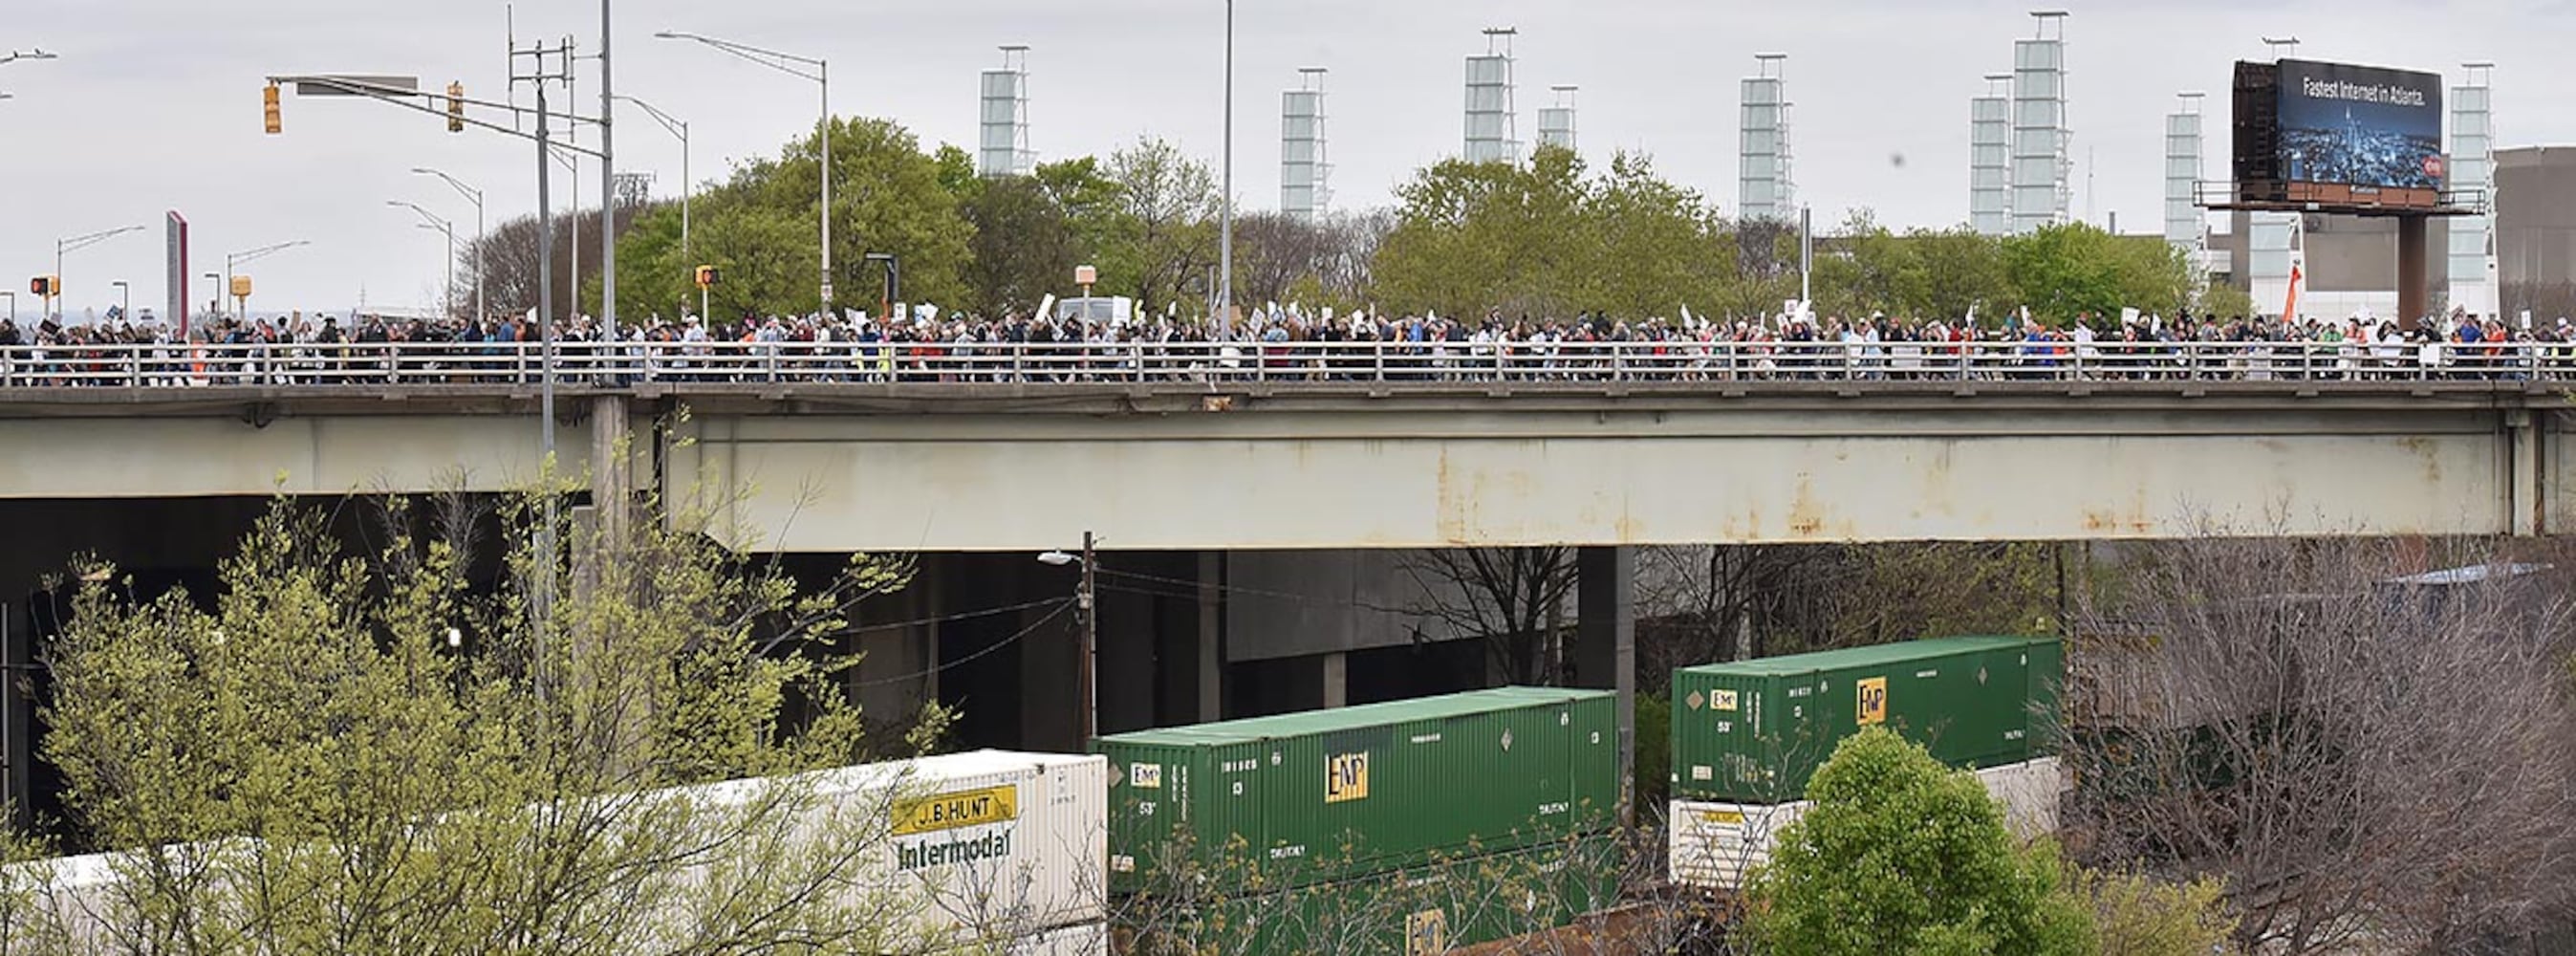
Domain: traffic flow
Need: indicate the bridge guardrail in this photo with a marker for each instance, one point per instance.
(605, 365)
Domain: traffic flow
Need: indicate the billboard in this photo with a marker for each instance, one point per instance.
(2339, 135)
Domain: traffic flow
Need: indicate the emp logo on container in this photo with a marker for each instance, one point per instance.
(1346, 777)
(1871, 705)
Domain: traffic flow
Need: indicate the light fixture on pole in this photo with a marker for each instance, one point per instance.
(233, 263)
(216, 282)
(75, 244)
(679, 128)
(447, 292)
(34, 54)
(821, 74)
(1088, 607)
(481, 238)
(1225, 233)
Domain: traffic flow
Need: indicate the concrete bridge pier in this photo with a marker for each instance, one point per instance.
(1605, 643)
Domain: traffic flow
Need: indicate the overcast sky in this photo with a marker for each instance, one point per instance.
(154, 104)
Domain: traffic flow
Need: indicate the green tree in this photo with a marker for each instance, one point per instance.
(1164, 232)
(368, 753)
(1024, 245)
(1901, 855)
(760, 228)
(2142, 916)
(2064, 270)
(1960, 270)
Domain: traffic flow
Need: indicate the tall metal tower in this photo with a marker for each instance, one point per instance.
(1765, 190)
(2186, 227)
(2274, 241)
(2040, 187)
(2472, 172)
(1556, 123)
(1004, 147)
(1491, 135)
(1303, 170)
(1990, 157)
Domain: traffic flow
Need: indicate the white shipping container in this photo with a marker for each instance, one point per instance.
(988, 845)
(1713, 846)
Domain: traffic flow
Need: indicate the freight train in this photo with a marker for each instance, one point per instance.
(1415, 826)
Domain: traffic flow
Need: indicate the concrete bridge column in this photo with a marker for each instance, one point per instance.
(2527, 471)
(612, 485)
(1605, 646)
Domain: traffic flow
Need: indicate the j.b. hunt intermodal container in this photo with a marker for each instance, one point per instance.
(1754, 731)
(1300, 798)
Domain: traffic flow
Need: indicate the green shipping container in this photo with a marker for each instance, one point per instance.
(1754, 731)
(1303, 798)
(1422, 910)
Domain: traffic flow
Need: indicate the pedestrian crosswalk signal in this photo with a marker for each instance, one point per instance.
(706, 276)
(456, 107)
(268, 97)
(45, 287)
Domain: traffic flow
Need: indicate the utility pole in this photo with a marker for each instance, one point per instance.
(607, 186)
(1090, 644)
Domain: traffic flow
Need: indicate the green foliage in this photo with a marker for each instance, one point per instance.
(2064, 270)
(1900, 855)
(2142, 916)
(1162, 229)
(422, 765)
(1654, 771)
(761, 230)
(1544, 239)
(2229, 302)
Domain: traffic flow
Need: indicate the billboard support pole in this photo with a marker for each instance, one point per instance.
(2413, 281)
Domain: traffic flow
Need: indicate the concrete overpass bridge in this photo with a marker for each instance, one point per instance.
(856, 448)
(1258, 501)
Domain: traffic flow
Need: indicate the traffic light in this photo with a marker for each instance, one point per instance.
(276, 124)
(706, 277)
(45, 286)
(456, 107)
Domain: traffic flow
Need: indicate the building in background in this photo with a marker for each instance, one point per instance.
(1765, 188)
(1990, 157)
(1556, 123)
(2186, 227)
(2471, 170)
(2535, 232)
(1303, 171)
(2041, 191)
(1003, 149)
(1491, 135)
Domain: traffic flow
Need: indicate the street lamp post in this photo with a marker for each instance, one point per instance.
(480, 238)
(447, 291)
(1225, 236)
(1086, 603)
(233, 262)
(75, 244)
(125, 298)
(38, 53)
(216, 283)
(679, 128)
(822, 75)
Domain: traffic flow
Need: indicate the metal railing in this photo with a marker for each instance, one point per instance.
(596, 366)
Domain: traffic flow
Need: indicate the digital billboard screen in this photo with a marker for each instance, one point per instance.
(2368, 128)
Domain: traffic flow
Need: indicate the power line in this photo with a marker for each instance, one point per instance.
(1062, 605)
(944, 618)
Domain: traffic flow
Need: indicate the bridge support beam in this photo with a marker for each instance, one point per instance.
(1605, 646)
(612, 484)
(2527, 470)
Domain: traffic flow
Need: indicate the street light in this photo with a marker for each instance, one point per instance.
(216, 283)
(480, 239)
(35, 54)
(447, 293)
(125, 311)
(1086, 606)
(822, 75)
(679, 128)
(1225, 237)
(232, 265)
(75, 244)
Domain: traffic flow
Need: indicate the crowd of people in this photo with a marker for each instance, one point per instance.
(301, 349)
